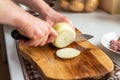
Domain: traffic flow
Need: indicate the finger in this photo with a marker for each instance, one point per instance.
(24, 42)
(21, 41)
(71, 24)
(50, 39)
(40, 42)
(44, 40)
(31, 43)
(28, 43)
(53, 34)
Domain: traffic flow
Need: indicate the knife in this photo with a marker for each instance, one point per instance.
(79, 37)
(83, 37)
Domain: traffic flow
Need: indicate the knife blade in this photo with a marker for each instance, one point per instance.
(79, 37)
(83, 37)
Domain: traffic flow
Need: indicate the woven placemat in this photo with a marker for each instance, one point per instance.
(30, 73)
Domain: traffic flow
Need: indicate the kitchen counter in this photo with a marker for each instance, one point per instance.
(96, 23)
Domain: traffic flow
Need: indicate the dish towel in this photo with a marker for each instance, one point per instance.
(30, 73)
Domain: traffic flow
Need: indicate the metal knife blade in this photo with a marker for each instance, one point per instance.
(82, 37)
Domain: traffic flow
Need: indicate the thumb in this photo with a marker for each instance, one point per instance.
(53, 34)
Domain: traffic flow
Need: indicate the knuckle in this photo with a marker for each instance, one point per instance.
(40, 44)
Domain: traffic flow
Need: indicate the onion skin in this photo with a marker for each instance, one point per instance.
(64, 4)
(76, 6)
(79, 5)
(91, 5)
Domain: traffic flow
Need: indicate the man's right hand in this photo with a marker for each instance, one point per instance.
(39, 32)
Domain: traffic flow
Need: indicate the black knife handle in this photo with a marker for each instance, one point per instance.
(17, 36)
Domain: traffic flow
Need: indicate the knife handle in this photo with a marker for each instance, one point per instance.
(17, 36)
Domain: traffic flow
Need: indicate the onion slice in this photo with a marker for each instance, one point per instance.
(67, 53)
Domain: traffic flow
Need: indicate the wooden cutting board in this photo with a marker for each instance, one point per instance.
(91, 64)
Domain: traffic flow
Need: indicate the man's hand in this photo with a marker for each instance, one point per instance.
(39, 32)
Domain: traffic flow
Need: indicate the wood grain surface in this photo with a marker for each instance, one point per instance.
(91, 64)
